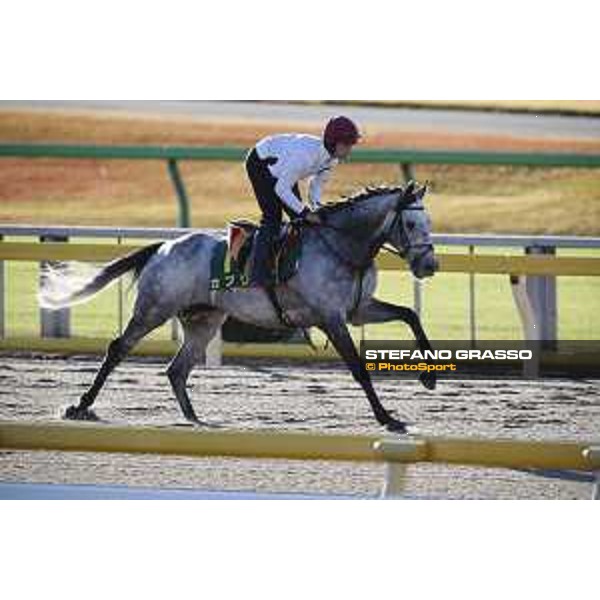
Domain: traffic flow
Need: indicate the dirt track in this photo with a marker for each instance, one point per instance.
(257, 395)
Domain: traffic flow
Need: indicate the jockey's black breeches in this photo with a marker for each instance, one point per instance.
(272, 207)
(263, 184)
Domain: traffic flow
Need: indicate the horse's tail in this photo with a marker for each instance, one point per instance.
(73, 283)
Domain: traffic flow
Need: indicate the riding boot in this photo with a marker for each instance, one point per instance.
(262, 264)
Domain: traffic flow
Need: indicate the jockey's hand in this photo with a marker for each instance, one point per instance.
(311, 217)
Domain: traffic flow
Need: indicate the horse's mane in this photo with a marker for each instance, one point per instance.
(364, 194)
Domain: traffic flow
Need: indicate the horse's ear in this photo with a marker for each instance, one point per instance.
(420, 193)
(409, 190)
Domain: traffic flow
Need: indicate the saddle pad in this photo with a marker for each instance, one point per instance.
(231, 262)
(225, 273)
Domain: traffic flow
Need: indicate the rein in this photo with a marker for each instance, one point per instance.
(375, 246)
(378, 242)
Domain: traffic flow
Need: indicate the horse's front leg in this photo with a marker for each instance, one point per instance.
(336, 330)
(377, 311)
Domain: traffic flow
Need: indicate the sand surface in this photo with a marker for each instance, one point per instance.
(292, 397)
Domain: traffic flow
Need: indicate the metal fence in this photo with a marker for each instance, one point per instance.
(566, 457)
(532, 275)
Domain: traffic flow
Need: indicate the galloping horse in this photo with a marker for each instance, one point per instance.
(333, 285)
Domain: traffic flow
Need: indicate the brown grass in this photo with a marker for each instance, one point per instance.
(139, 192)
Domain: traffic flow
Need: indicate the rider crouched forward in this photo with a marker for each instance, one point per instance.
(275, 166)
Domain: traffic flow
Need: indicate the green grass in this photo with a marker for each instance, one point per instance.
(445, 297)
(446, 303)
(97, 318)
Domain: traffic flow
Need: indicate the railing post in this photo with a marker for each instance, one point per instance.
(183, 217)
(398, 454)
(54, 323)
(529, 321)
(592, 456)
(472, 312)
(408, 172)
(541, 290)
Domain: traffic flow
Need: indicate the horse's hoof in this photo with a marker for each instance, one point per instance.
(428, 380)
(75, 413)
(203, 424)
(397, 427)
(191, 419)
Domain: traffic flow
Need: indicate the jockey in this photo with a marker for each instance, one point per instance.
(275, 166)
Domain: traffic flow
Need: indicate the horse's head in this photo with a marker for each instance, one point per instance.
(410, 232)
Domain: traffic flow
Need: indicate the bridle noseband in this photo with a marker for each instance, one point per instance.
(406, 243)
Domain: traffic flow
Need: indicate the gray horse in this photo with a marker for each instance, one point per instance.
(333, 285)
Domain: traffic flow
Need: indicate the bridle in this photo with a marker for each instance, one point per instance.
(407, 245)
(393, 219)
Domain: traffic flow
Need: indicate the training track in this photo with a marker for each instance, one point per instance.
(422, 119)
(312, 397)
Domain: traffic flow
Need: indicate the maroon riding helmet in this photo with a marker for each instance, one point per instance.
(340, 129)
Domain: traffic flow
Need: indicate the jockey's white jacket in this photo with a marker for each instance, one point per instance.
(298, 156)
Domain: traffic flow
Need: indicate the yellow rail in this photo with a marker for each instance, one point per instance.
(85, 345)
(35, 251)
(81, 345)
(85, 437)
(499, 264)
(449, 263)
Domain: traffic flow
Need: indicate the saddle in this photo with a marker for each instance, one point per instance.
(231, 261)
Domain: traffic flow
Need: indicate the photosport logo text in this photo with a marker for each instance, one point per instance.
(462, 359)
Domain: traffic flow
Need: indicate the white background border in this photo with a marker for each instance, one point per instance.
(291, 50)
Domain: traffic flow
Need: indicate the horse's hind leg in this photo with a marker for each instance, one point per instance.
(198, 328)
(138, 327)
